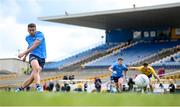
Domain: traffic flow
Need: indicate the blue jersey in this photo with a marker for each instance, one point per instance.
(40, 50)
(118, 70)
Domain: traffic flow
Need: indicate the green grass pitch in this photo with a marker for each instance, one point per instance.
(87, 99)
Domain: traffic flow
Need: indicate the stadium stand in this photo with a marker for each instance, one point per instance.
(172, 61)
(77, 57)
(80, 64)
(157, 56)
(133, 54)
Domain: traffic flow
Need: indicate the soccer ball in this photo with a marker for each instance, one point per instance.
(141, 80)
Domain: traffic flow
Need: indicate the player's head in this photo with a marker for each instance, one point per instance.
(120, 61)
(145, 65)
(31, 28)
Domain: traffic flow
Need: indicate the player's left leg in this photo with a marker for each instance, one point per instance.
(151, 88)
(25, 84)
(28, 81)
(36, 69)
(120, 83)
(151, 85)
(151, 82)
(117, 86)
(115, 79)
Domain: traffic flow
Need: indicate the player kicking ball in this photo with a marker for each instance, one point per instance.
(37, 54)
(118, 70)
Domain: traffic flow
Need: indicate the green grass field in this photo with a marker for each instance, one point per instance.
(87, 99)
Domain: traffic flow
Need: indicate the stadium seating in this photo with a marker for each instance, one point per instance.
(172, 61)
(77, 57)
(133, 53)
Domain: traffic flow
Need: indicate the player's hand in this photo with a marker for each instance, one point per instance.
(24, 59)
(114, 72)
(21, 55)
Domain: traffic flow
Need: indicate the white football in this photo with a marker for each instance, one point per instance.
(141, 80)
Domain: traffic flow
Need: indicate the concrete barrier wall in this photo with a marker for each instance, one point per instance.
(12, 65)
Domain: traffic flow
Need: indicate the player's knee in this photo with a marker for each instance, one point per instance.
(120, 83)
(37, 69)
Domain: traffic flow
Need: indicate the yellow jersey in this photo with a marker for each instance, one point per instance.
(149, 71)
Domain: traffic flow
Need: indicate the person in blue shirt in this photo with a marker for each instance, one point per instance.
(118, 70)
(37, 55)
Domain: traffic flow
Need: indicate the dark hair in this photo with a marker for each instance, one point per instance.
(31, 25)
(145, 64)
(120, 59)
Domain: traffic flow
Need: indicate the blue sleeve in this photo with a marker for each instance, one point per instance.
(113, 66)
(125, 68)
(39, 36)
(27, 40)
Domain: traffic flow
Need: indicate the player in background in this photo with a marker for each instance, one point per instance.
(148, 71)
(118, 70)
(37, 54)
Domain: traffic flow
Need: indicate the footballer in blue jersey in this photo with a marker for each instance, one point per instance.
(37, 55)
(118, 70)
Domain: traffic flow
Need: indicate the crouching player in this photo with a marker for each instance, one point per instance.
(149, 72)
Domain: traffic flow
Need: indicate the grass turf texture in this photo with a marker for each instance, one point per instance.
(87, 99)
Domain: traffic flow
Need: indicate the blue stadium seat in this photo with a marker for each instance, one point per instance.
(170, 62)
(133, 53)
(77, 57)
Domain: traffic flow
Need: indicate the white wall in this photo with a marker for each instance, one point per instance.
(12, 65)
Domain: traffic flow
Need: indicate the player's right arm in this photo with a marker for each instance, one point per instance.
(155, 74)
(24, 58)
(110, 68)
(36, 44)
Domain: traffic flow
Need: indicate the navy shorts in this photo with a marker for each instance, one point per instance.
(115, 79)
(41, 61)
(150, 76)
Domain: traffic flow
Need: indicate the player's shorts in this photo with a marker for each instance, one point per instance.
(41, 61)
(151, 77)
(115, 79)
